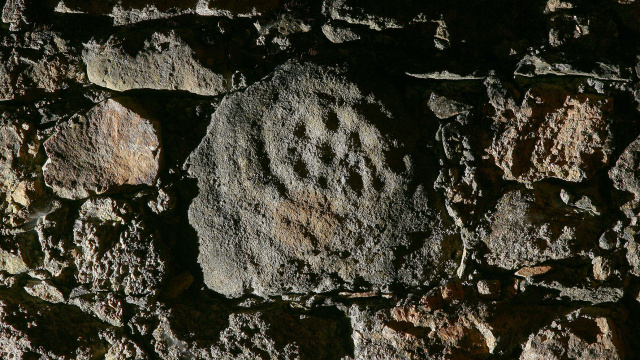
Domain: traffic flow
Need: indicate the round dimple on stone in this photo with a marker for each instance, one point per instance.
(354, 141)
(326, 154)
(355, 181)
(300, 131)
(331, 121)
(322, 181)
(300, 168)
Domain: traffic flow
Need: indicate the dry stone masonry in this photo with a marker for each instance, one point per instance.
(319, 179)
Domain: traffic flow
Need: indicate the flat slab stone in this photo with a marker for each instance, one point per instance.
(108, 147)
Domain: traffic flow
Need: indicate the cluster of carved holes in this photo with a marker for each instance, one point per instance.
(327, 156)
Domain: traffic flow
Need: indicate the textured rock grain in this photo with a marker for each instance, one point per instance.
(553, 135)
(108, 147)
(304, 189)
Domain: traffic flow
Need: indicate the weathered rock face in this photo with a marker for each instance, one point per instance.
(581, 337)
(134, 11)
(38, 63)
(19, 185)
(524, 234)
(553, 135)
(108, 147)
(165, 63)
(268, 333)
(115, 251)
(319, 180)
(625, 174)
(304, 188)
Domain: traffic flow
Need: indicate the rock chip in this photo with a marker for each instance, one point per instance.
(370, 13)
(102, 150)
(444, 108)
(489, 289)
(602, 269)
(339, 35)
(533, 271)
(553, 134)
(45, 291)
(300, 189)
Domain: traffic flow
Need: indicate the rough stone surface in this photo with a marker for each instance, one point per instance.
(108, 147)
(553, 135)
(114, 249)
(164, 63)
(625, 174)
(578, 337)
(134, 11)
(304, 188)
(522, 234)
(319, 179)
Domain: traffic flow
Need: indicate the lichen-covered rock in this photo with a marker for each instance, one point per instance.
(110, 146)
(300, 190)
(165, 62)
(553, 134)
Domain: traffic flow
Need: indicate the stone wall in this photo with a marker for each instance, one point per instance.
(319, 179)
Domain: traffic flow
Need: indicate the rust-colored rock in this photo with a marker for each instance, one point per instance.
(553, 135)
(108, 147)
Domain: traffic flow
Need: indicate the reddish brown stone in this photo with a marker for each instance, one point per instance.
(109, 147)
